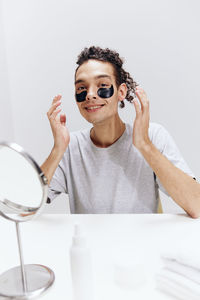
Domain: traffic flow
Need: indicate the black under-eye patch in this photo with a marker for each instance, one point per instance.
(102, 92)
(106, 92)
(81, 97)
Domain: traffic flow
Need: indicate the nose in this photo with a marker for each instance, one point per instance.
(91, 94)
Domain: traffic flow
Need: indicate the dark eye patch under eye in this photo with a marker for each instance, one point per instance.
(102, 92)
(106, 92)
(81, 97)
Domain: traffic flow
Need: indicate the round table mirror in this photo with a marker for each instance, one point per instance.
(23, 194)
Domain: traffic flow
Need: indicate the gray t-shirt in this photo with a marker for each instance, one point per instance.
(116, 179)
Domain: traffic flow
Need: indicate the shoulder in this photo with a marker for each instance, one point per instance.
(79, 137)
(155, 129)
(159, 136)
(78, 141)
(79, 134)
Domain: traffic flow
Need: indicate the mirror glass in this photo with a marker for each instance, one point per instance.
(21, 186)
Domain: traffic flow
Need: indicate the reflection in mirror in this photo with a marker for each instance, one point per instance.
(23, 194)
(19, 181)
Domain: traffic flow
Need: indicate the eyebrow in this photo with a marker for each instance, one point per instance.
(96, 77)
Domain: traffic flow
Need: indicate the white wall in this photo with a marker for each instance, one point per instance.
(6, 118)
(158, 39)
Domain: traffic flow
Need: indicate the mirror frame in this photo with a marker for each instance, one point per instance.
(25, 213)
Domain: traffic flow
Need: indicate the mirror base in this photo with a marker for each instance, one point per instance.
(38, 279)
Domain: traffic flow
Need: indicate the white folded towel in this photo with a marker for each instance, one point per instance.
(182, 269)
(177, 285)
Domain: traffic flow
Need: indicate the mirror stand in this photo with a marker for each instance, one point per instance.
(23, 275)
(23, 195)
(25, 281)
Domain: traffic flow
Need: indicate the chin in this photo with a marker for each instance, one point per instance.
(93, 121)
(96, 121)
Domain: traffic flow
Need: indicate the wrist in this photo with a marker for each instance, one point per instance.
(145, 147)
(51, 163)
(57, 152)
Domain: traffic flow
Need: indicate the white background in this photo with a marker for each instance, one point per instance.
(39, 44)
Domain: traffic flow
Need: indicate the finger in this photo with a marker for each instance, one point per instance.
(142, 97)
(54, 114)
(56, 98)
(141, 92)
(137, 108)
(63, 119)
(53, 107)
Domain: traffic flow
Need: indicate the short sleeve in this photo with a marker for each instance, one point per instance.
(166, 145)
(58, 184)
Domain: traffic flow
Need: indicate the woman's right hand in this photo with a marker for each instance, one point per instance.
(59, 130)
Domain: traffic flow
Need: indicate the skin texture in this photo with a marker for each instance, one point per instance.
(108, 127)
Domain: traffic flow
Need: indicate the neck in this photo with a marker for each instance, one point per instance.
(107, 133)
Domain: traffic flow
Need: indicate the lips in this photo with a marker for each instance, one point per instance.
(92, 108)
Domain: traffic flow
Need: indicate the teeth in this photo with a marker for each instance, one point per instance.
(93, 107)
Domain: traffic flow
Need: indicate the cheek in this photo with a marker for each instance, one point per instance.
(79, 107)
(112, 104)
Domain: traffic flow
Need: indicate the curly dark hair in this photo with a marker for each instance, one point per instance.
(111, 56)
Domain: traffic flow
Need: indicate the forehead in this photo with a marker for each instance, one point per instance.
(93, 68)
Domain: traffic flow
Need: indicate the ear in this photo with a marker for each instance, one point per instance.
(122, 91)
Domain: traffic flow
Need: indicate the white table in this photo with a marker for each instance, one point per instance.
(46, 240)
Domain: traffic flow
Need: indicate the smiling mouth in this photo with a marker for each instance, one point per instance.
(94, 108)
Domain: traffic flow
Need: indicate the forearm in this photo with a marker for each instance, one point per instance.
(182, 188)
(51, 163)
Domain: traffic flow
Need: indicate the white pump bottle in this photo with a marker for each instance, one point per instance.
(81, 267)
